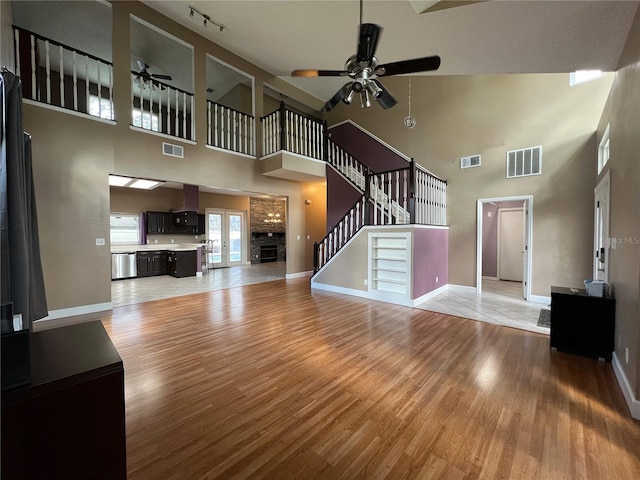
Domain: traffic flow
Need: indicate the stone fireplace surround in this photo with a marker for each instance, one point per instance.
(264, 233)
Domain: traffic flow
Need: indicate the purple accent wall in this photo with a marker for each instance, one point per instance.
(367, 150)
(430, 260)
(341, 195)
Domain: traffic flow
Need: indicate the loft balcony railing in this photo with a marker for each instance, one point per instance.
(62, 76)
(230, 129)
(293, 132)
(159, 107)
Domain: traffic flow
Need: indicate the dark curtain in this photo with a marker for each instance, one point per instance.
(22, 279)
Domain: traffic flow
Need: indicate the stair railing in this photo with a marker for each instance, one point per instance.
(340, 234)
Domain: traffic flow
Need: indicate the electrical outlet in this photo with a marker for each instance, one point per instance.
(308, 237)
(155, 241)
(366, 282)
(172, 240)
(298, 237)
(626, 355)
(436, 279)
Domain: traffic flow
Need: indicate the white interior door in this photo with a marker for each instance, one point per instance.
(511, 227)
(601, 227)
(227, 231)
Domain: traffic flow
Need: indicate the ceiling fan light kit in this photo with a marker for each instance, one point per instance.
(364, 66)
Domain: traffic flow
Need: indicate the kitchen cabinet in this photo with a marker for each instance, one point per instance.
(582, 324)
(158, 262)
(151, 263)
(69, 421)
(201, 225)
(160, 222)
(181, 263)
(143, 263)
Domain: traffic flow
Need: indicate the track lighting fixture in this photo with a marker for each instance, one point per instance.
(206, 19)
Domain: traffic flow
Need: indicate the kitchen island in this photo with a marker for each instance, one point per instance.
(176, 259)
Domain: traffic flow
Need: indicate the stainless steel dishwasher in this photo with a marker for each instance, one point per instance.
(123, 265)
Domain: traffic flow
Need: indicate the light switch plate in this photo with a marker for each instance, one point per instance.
(100, 242)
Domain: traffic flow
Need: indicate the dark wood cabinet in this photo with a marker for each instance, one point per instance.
(158, 261)
(182, 263)
(159, 222)
(151, 263)
(69, 422)
(582, 324)
(201, 224)
(143, 264)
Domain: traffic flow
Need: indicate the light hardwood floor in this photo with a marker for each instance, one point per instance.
(273, 381)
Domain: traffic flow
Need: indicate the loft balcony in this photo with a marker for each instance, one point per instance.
(293, 146)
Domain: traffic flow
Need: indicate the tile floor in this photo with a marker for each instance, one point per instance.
(138, 290)
(500, 303)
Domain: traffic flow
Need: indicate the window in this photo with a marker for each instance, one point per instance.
(100, 107)
(603, 150)
(524, 162)
(145, 120)
(124, 228)
(583, 76)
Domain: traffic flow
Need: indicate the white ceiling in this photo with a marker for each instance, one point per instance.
(492, 37)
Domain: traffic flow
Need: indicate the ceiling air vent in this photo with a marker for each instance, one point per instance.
(470, 161)
(172, 150)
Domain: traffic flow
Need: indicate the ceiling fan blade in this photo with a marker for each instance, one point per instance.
(385, 99)
(162, 77)
(424, 64)
(368, 41)
(142, 66)
(337, 98)
(319, 73)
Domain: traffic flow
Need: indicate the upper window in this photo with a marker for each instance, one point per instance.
(524, 162)
(603, 150)
(124, 228)
(583, 76)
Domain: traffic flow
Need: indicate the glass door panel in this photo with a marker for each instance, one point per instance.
(235, 238)
(225, 233)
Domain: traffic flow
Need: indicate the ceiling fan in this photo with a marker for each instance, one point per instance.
(363, 67)
(144, 79)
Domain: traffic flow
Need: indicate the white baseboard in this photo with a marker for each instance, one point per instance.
(74, 311)
(430, 295)
(462, 288)
(632, 402)
(540, 299)
(290, 276)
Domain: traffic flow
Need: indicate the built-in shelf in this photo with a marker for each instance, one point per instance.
(390, 255)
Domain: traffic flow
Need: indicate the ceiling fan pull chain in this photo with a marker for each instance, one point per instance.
(409, 121)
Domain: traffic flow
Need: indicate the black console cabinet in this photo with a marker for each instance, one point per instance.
(582, 324)
(69, 421)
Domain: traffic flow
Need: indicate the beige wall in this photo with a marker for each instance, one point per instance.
(6, 38)
(489, 115)
(622, 112)
(73, 156)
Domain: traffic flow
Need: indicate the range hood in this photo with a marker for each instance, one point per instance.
(190, 199)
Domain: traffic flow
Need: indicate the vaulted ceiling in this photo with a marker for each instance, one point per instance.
(487, 37)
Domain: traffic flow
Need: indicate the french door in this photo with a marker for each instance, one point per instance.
(227, 235)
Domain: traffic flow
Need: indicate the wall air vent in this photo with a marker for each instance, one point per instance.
(470, 161)
(172, 150)
(524, 162)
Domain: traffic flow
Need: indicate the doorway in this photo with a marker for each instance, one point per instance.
(510, 245)
(514, 262)
(602, 243)
(226, 231)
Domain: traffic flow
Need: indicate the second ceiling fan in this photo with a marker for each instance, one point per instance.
(363, 67)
